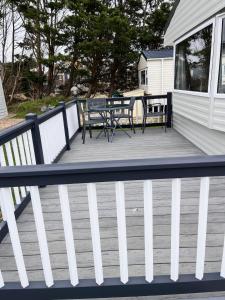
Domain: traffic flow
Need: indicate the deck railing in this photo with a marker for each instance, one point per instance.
(165, 101)
(117, 172)
(37, 140)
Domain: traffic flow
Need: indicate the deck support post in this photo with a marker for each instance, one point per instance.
(66, 130)
(36, 136)
(169, 110)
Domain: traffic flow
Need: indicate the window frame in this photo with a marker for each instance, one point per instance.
(218, 38)
(146, 76)
(184, 37)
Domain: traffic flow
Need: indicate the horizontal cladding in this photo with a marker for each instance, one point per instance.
(212, 142)
(190, 14)
(168, 76)
(154, 77)
(218, 120)
(195, 108)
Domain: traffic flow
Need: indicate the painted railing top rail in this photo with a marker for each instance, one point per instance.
(12, 132)
(160, 168)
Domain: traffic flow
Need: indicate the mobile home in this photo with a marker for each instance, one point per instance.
(155, 71)
(196, 29)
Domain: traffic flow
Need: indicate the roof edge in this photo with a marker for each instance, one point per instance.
(176, 3)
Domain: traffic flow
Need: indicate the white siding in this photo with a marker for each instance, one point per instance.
(160, 75)
(3, 108)
(218, 114)
(212, 142)
(155, 77)
(189, 14)
(193, 107)
(168, 76)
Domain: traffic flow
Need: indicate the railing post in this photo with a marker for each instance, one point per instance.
(62, 103)
(36, 136)
(169, 110)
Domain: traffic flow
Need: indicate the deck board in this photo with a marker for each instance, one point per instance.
(154, 143)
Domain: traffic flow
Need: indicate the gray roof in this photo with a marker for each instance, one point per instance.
(162, 53)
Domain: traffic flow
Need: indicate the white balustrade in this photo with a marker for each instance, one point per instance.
(9, 155)
(41, 233)
(175, 229)
(14, 236)
(202, 227)
(121, 227)
(68, 232)
(95, 234)
(1, 280)
(148, 228)
(72, 119)
(52, 137)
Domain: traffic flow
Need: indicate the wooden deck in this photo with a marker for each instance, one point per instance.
(154, 143)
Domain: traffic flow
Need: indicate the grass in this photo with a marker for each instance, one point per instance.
(34, 106)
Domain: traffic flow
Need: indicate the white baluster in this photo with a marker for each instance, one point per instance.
(68, 232)
(1, 280)
(95, 234)
(3, 164)
(41, 233)
(11, 163)
(202, 227)
(122, 235)
(31, 146)
(18, 163)
(175, 229)
(27, 149)
(14, 236)
(2, 206)
(148, 226)
(21, 150)
(22, 153)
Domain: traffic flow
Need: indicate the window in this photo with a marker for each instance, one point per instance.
(221, 82)
(192, 61)
(143, 77)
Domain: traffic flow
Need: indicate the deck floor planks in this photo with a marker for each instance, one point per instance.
(154, 143)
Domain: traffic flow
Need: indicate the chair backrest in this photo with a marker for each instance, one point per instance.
(96, 103)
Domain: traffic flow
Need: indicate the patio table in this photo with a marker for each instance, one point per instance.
(111, 122)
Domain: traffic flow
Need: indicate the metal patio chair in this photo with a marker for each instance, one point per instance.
(88, 122)
(151, 111)
(127, 113)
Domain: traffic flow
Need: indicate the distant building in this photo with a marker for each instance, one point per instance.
(155, 71)
(3, 108)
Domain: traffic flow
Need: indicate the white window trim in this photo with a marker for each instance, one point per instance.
(218, 37)
(146, 76)
(202, 26)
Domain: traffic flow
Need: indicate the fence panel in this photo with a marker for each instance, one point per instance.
(116, 173)
(72, 119)
(52, 137)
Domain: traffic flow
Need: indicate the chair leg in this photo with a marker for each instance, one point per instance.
(165, 123)
(90, 131)
(84, 134)
(144, 124)
(132, 120)
(130, 123)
